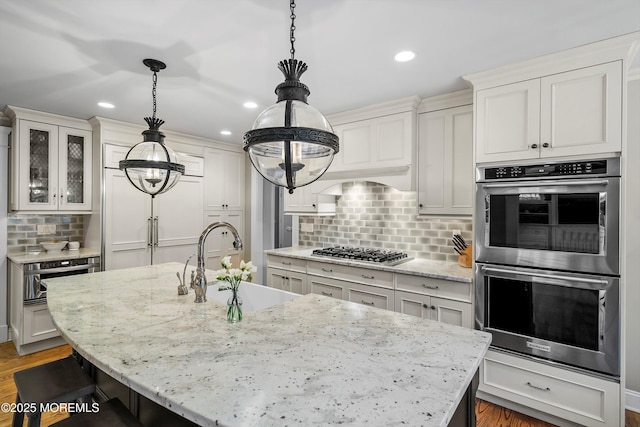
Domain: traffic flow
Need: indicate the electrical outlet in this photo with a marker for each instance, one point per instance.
(454, 232)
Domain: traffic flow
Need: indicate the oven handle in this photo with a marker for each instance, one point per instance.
(544, 184)
(545, 276)
(62, 269)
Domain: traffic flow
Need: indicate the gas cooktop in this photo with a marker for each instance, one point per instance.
(371, 255)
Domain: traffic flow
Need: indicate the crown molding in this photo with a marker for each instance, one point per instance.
(375, 110)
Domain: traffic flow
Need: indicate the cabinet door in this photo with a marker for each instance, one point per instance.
(302, 200)
(38, 176)
(224, 180)
(127, 229)
(179, 220)
(581, 111)
(75, 169)
(297, 283)
(276, 278)
(220, 241)
(451, 312)
(374, 143)
(445, 164)
(508, 122)
(413, 304)
(38, 325)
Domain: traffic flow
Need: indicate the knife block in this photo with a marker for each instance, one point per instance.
(466, 258)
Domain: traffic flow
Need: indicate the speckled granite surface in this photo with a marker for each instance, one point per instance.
(27, 258)
(310, 361)
(418, 267)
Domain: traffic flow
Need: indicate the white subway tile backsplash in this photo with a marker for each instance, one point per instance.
(374, 215)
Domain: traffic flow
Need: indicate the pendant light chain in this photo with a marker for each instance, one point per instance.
(292, 36)
(153, 93)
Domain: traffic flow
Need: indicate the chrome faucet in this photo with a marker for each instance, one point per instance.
(199, 282)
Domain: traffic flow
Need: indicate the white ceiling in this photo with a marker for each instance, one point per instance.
(63, 56)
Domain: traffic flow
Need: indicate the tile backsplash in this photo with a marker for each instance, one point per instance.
(22, 230)
(377, 216)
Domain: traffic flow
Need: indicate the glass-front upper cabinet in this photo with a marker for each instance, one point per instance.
(54, 168)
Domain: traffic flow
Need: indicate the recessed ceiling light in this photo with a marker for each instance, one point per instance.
(225, 132)
(106, 105)
(250, 104)
(404, 56)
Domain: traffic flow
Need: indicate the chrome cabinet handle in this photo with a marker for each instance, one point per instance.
(329, 294)
(538, 387)
(545, 276)
(368, 277)
(149, 232)
(430, 287)
(547, 183)
(366, 302)
(155, 232)
(328, 270)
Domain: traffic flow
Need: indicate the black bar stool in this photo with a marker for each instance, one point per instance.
(112, 413)
(54, 382)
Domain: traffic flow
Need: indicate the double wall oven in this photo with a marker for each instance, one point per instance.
(547, 261)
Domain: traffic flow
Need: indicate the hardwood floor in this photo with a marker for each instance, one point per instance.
(488, 414)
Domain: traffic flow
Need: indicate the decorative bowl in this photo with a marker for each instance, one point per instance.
(53, 246)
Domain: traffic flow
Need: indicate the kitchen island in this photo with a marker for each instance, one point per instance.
(310, 360)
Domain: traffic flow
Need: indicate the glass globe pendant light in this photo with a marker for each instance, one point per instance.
(151, 166)
(291, 143)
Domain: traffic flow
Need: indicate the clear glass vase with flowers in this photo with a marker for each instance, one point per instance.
(233, 277)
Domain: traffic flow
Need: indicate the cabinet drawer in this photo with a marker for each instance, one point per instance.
(326, 287)
(353, 274)
(435, 287)
(291, 264)
(583, 399)
(370, 295)
(38, 324)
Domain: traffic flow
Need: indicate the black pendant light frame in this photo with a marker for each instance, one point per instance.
(290, 90)
(152, 134)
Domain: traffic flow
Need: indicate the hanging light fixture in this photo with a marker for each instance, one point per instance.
(291, 143)
(151, 166)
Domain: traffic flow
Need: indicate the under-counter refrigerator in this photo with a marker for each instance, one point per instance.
(4, 197)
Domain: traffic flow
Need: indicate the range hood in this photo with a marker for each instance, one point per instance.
(377, 144)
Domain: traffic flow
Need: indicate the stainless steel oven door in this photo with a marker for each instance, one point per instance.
(567, 318)
(560, 224)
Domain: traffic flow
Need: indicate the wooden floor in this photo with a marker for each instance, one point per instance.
(488, 415)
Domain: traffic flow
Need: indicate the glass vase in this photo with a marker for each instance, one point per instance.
(234, 308)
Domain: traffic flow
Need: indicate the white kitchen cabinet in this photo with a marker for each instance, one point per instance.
(372, 296)
(326, 286)
(586, 400)
(577, 112)
(140, 230)
(379, 142)
(445, 162)
(224, 179)
(220, 241)
(288, 274)
(32, 328)
(51, 165)
(446, 301)
(305, 201)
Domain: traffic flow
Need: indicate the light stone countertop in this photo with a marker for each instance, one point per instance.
(417, 267)
(310, 361)
(28, 258)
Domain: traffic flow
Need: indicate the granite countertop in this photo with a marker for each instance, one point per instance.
(418, 267)
(28, 258)
(311, 360)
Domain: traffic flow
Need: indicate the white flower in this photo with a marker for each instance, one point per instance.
(248, 266)
(222, 274)
(235, 273)
(226, 262)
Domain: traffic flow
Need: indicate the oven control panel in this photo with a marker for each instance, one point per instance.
(592, 167)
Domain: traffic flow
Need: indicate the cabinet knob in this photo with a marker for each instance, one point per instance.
(433, 307)
(534, 145)
(313, 205)
(545, 145)
(420, 205)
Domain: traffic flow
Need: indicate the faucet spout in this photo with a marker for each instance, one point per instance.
(199, 282)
